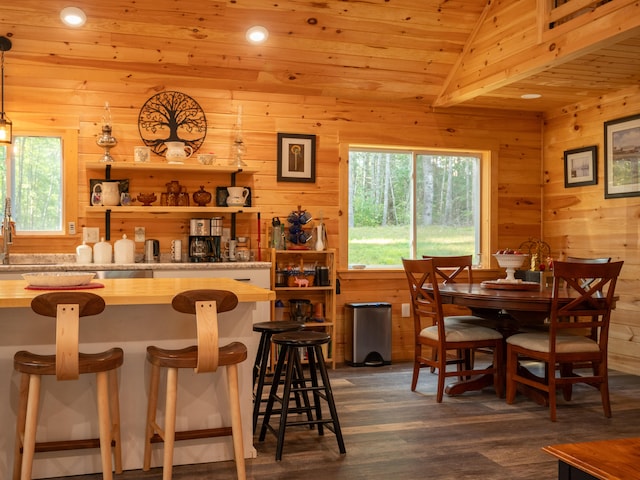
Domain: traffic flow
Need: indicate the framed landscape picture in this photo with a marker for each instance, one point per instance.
(296, 157)
(581, 167)
(622, 157)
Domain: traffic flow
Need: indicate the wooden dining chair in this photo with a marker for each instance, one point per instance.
(432, 332)
(204, 357)
(560, 348)
(68, 363)
(451, 269)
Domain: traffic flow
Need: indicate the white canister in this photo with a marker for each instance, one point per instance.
(102, 252)
(176, 250)
(124, 250)
(84, 254)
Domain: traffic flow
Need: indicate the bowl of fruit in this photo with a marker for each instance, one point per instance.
(510, 260)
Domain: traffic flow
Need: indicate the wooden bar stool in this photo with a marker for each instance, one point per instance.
(68, 364)
(291, 343)
(204, 357)
(261, 364)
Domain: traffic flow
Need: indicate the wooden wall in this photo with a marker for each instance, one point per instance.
(578, 221)
(65, 98)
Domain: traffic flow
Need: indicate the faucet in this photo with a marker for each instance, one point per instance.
(7, 234)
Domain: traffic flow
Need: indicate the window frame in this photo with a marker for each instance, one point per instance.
(487, 185)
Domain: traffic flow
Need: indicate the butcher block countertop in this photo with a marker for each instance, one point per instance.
(139, 291)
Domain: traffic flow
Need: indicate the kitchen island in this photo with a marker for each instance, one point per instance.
(138, 314)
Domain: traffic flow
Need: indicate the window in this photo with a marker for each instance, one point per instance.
(31, 172)
(408, 203)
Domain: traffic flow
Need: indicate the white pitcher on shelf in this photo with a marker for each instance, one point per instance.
(177, 152)
(106, 193)
(237, 196)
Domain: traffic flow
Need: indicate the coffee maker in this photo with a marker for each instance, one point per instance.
(200, 245)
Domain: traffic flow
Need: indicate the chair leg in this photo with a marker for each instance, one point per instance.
(551, 390)
(114, 402)
(170, 423)
(152, 408)
(512, 367)
(29, 443)
(236, 420)
(442, 368)
(290, 352)
(104, 422)
(416, 367)
(20, 424)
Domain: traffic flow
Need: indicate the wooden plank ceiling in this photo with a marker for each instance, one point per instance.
(376, 50)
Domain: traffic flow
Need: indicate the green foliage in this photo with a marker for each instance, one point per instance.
(386, 246)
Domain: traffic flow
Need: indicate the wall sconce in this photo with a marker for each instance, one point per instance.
(5, 124)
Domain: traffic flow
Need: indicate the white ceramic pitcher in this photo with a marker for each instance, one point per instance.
(237, 196)
(177, 152)
(106, 193)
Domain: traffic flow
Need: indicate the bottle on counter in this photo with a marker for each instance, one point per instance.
(84, 254)
(102, 252)
(124, 250)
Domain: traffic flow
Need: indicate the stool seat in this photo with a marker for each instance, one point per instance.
(187, 357)
(288, 361)
(68, 364)
(277, 326)
(35, 364)
(261, 364)
(301, 339)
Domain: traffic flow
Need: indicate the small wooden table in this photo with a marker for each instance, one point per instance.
(601, 460)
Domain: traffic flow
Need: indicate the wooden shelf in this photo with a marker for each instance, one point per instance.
(316, 294)
(159, 210)
(170, 167)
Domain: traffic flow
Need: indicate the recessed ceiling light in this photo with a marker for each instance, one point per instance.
(73, 16)
(257, 34)
(530, 96)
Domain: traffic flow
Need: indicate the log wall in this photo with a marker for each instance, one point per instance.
(61, 98)
(580, 222)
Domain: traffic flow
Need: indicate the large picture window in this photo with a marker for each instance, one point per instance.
(31, 173)
(407, 203)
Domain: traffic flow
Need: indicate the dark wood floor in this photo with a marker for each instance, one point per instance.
(393, 433)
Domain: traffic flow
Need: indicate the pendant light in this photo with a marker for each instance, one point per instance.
(5, 123)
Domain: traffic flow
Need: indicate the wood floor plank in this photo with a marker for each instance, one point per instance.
(393, 433)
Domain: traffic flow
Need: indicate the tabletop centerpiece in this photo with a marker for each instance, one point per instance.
(510, 260)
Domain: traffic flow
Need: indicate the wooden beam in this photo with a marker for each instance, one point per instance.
(586, 38)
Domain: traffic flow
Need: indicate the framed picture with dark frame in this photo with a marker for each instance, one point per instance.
(581, 167)
(296, 157)
(622, 157)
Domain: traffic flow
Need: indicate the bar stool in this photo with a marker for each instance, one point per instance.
(291, 343)
(261, 364)
(204, 357)
(68, 364)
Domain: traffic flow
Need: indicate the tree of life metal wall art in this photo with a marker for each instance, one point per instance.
(171, 117)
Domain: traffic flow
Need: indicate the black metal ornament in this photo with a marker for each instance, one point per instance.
(171, 117)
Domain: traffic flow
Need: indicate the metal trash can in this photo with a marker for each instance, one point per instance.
(368, 334)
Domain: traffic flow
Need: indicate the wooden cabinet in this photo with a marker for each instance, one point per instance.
(293, 277)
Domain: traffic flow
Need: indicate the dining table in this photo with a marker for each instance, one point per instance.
(509, 307)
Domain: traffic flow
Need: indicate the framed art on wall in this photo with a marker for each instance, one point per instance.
(581, 167)
(622, 157)
(296, 157)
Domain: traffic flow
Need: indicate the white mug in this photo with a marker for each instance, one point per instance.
(141, 154)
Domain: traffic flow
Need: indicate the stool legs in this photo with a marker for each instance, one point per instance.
(27, 421)
(236, 421)
(168, 433)
(260, 373)
(290, 356)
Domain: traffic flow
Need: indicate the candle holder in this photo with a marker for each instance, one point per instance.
(240, 149)
(106, 141)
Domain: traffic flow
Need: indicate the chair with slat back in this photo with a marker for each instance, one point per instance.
(68, 363)
(204, 357)
(560, 347)
(431, 331)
